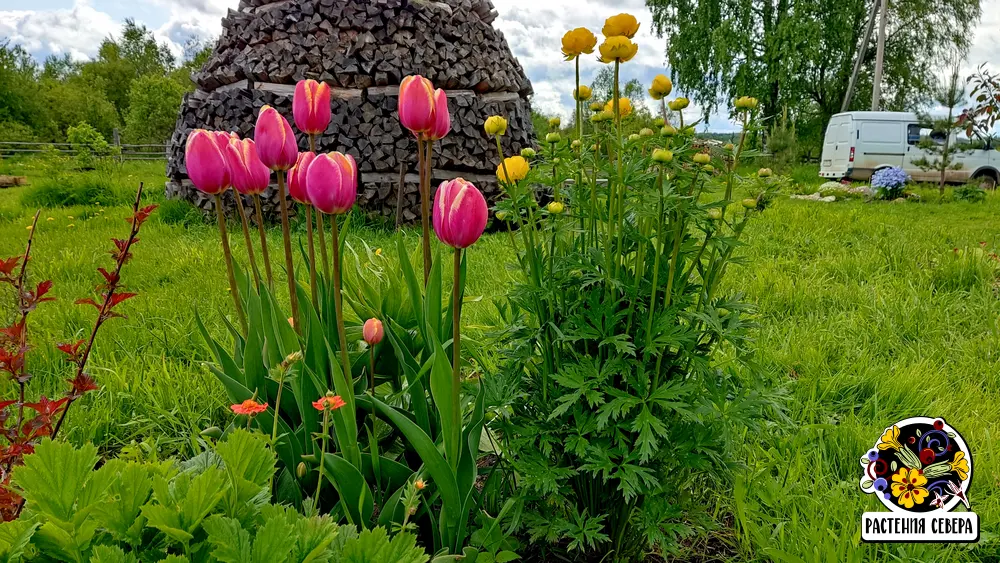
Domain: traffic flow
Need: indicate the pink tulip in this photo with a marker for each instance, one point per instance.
(350, 168)
(416, 104)
(311, 106)
(206, 162)
(373, 331)
(297, 178)
(442, 118)
(249, 175)
(329, 185)
(276, 144)
(460, 213)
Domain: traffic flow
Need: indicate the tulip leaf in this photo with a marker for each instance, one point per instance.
(412, 284)
(443, 390)
(432, 301)
(355, 495)
(418, 400)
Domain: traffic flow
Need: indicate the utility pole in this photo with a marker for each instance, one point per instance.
(859, 57)
(879, 56)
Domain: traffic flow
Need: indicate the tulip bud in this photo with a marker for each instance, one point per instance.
(668, 130)
(662, 155)
(331, 183)
(276, 144)
(207, 166)
(372, 331)
(460, 213)
(729, 147)
(633, 137)
(249, 175)
(495, 125)
(582, 94)
(658, 122)
(297, 178)
(416, 104)
(442, 117)
(701, 158)
(715, 214)
(311, 106)
(576, 144)
(555, 208)
(528, 153)
(645, 132)
(764, 172)
(750, 203)
(553, 138)
(301, 470)
(596, 107)
(554, 122)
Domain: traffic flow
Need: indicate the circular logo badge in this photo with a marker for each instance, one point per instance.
(919, 464)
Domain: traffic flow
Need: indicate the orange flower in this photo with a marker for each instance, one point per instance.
(249, 407)
(333, 403)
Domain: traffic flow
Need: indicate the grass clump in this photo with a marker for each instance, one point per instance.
(84, 189)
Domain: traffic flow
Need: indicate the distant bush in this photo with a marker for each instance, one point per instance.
(152, 110)
(89, 145)
(888, 183)
(14, 131)
(972, 192)
(179, 212)
(87, 189)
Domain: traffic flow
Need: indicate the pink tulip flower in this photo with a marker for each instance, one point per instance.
(297, 178)
(416, 104)
(311, 106)
(249, 175)
(329, 185)
(460, 213)
(207, 166)
(276, 144)
(373, 331)
(442, 117)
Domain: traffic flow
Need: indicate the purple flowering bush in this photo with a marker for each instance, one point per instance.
(888, 183)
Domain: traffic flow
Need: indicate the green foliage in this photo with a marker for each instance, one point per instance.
(941, 147)
(180, 212)
(197, 510)
(782, 143)
(89, 189)
(152, 113)
(122, 60)
(89, 144)
(971, 192)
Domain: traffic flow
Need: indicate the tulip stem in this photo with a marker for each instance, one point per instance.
(456, 343)
(233, 289)
(338, 303)
(321, 228)
(263, 241)
(425, 209)
(246, 237)
(289, 264)
(312, 256)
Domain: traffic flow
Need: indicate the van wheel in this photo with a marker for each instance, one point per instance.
(987, 180)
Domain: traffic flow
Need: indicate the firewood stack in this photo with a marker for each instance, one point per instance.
(363, 49)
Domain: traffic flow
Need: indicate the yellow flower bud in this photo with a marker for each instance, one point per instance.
(618, 48)
(501, 215)
(419, 484)
(708, 168)
(596, 107)
(576, 144)
(622, 25)
(764, 172)
(661, 87)
(750, 203)
(678, 104)
(633, 137)
(555, 208)
(645, 132)
(582, 94)
(577, 42)
(301, 470)
(662, 155)
(495, 125)
(554, 122)
(528, 152)
(714, 214)
(624, 107)
(729, 147)
(553, 138)
(516, 166)
(658, 122)
(701, 158)
(746, 103)
(668, 130)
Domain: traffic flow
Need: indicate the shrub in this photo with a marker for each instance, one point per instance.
(889, 183)
(89, 144)
(180, 212)
(971, 192)
(152, 109)
(87, 189)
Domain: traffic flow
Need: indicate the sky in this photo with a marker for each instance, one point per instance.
(533, 29)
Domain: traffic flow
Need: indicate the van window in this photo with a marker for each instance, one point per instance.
(913, 134)
(881, 132)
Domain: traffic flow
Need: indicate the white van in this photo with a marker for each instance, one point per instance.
(857, 143)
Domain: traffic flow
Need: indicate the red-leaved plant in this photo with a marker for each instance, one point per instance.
(47, 415)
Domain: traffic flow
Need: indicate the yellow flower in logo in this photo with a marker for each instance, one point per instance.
(908, 486)
(890, 440)
(960, 465)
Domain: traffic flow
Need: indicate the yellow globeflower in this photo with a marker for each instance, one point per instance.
(618, 48)
(495, 125)
(516, 166)
(622, 25)
(624, 107)
(577, 42)
(582, 94)
(556, 208)
(701, 158)
(678, 104)
(555, 122)
(662, 155)
(746, 103)
(661, 87)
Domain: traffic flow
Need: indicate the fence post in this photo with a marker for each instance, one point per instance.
(117, 140)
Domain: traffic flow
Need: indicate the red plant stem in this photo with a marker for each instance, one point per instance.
(228, 255)
(23, 341)
(263, 241)
(289, 263)
(105, 306)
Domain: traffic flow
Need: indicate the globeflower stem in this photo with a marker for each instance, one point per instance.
(579, 117)
(289, 263)
(263, 242)
(227, 253)
(322, 455)
(246, 237)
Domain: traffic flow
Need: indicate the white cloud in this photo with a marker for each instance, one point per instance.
(78, 30)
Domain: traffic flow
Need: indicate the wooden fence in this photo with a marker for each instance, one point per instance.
(121, 151)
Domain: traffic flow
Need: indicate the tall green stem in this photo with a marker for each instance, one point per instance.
(289, 262)
(246, 237)
(227, 253)
(661, 241)
(312, 255)
(456, 345)
(263, 241)
(425, 208)
(579, 112)
(322, 455)
(338, 303)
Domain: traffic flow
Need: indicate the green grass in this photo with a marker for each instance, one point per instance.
(865, 317)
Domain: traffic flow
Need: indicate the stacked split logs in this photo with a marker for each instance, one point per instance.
(363, 49)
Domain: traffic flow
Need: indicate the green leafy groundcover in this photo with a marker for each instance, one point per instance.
(213, 507)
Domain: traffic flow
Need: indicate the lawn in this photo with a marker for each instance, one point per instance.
(865, 316)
